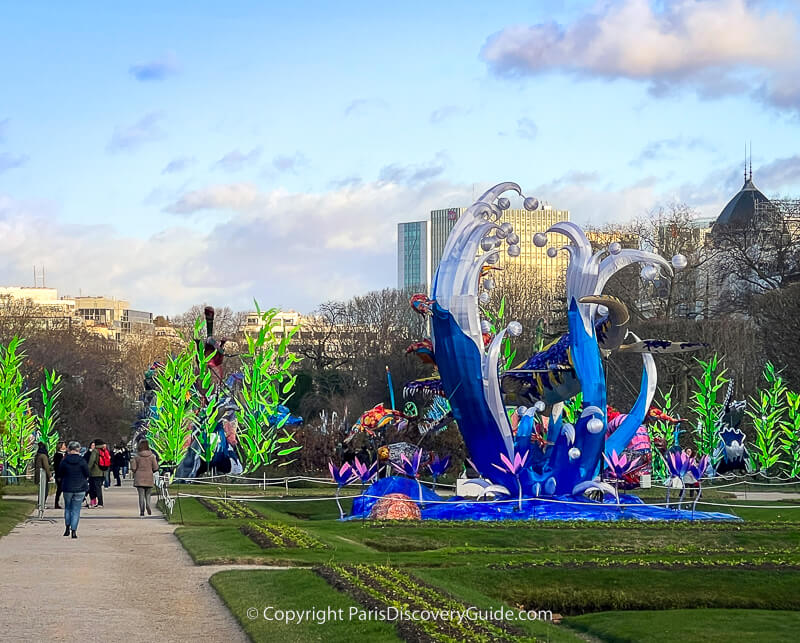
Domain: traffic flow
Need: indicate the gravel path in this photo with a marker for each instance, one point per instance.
(124, 577)
(771, 496)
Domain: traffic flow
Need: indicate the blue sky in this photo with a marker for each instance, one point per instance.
(198, 152)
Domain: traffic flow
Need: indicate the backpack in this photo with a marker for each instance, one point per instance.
(103, 459)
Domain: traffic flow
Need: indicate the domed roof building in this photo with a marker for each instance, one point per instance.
(742, 209)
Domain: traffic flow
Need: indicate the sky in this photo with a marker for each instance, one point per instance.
(188, 152)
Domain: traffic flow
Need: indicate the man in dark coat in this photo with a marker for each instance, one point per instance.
(57, 458)
(74, 474)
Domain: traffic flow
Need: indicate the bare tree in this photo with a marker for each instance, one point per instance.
(348, 345)
(227, 322)
(777, 313)
(538, 303)
(757, 256)
(668, 230)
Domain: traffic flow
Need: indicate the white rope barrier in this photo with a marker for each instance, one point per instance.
(275, 482)
(487, 502)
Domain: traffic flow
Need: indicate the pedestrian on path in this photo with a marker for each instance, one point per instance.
(117, 463)
(57, 458)
(126, 455)
(74, 474)
(42, 463)
(95, 476)
(86, 453)
(143, 466)
(104, 459)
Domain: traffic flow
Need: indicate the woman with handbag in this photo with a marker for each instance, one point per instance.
(143, 466)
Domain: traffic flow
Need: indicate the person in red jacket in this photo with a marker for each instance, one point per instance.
(104, 458)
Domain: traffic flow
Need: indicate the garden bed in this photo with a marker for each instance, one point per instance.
(379, 587)
(227, 509)
(274, 534)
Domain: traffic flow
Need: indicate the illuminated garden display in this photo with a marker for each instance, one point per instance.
(533, 472)
(200, 421)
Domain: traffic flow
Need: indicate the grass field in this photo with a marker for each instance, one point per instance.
(626, 581)
(12, 512)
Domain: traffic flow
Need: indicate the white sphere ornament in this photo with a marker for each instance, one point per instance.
(486, 327)
(503, 203)
(484, 298)
(574, 453)
(487, 243)
(514, 329)
(540, 239)
(679, 262)
(512, 239)
(488, 284)
(602, 310)
(539, 406)
(649, 272)
(614, 247)
(521, 410)
(552, 253)
(531, 203)
(513, 251)
(492, 259)
(594, 425)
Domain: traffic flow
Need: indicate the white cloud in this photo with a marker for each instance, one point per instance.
(290, 249)
(235, 160)
(154, 70)
(285, 249)
(146, 130)
(716, 47)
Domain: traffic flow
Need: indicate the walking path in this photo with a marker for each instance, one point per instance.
(767, 496)
(123, 577)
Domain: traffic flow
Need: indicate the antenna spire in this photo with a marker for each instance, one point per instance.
(751, 160)
(745, 162)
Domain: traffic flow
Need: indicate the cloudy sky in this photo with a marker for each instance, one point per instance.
(175, 153)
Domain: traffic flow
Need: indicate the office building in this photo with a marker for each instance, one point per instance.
(413, 255)
(113, 318)
(532, 261)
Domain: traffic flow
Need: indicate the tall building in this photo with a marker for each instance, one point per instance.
(441, 224)
(532, 260)
(413, 255)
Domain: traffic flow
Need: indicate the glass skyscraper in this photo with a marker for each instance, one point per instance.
(413, 256)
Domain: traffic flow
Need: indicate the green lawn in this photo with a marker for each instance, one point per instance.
(24, 488)
(606, 579)
(295, 589)
(12, 512)
(702, 625)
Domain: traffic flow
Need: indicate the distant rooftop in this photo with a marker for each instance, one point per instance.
(740, 210)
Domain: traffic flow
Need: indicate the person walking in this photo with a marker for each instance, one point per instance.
(117, 463)
(104, 460)
(57, 458)
(74, 474)
(86, 455)
(126, 455)
(96, 476)
(143, 466)
(42, 463)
